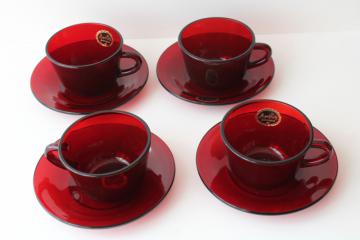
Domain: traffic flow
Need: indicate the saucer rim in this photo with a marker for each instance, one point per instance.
(215, 103)
(116, 224)
(104, 109)
(264, 213)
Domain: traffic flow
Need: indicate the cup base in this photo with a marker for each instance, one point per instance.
(310, 185)
(89, 202)
(173, 76)
(49, 91)
(265, 191)
(87, 101)
(57, 192)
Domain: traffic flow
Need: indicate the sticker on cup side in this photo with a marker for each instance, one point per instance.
(268, 117)
(104, 38)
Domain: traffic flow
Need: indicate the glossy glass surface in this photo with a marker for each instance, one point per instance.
(77, 45)
(266, 142)
(174, 77)
(310, 185)
(59, 193)
(287, 138)
(216, 51)
(106, 153)
(86, 58)
(49, 90)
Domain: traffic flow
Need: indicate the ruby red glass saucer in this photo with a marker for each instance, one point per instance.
(312, 183)
(57, 191)
(172, 74)
(48, 90)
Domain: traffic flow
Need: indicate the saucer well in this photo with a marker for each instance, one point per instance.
(173, 76)
(312, 183)
(56, 191)
(48, 90)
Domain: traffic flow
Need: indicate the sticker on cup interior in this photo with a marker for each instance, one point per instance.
(268, 117)
(104, 38)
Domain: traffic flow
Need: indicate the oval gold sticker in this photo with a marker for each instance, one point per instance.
(104, 38)
(268, 117)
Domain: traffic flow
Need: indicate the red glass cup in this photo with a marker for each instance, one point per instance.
(87, 57)
(217, 51)
(106, 154)
(267, 142)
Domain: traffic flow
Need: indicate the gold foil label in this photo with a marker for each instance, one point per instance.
(104, 38)
(268, 117)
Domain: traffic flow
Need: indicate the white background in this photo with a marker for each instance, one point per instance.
(316, 49)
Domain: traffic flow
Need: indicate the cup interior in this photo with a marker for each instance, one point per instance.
(83, 44)
(216, 38)
(267, 131)
(105, 143)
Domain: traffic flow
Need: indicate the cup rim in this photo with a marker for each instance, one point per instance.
(72, 66)
(112, 173)
(257, 161)
(188, 53)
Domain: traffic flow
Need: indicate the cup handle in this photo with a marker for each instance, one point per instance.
(133, 69)
(53, 158)
(264, 47)
(327, 149)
